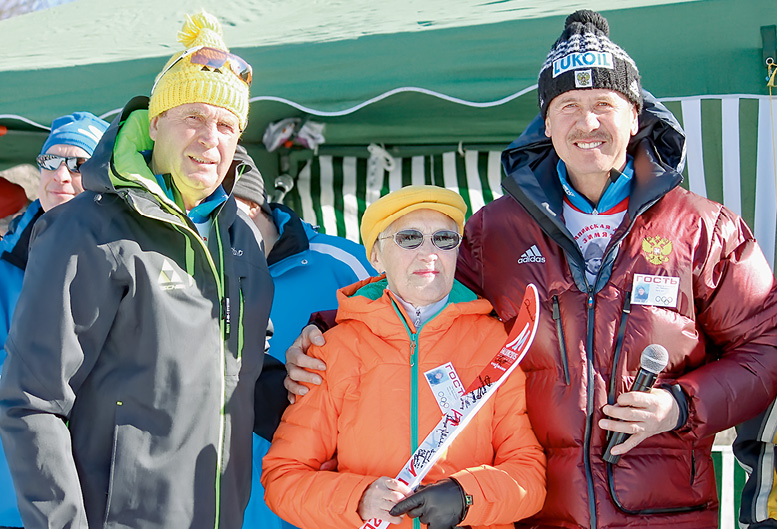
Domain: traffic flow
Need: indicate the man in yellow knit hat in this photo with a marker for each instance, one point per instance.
(128, 394)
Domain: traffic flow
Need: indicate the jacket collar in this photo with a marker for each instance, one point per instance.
(373, 288)
(371, 302)
(293, 238)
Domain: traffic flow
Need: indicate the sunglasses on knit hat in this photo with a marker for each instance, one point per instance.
(52, 162)
(213, 58)
(411, 239)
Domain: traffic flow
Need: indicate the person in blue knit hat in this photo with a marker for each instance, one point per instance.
(71, 142)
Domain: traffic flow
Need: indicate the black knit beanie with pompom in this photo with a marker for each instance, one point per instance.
(584, 57)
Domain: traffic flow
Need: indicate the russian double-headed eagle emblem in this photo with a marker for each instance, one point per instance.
(583, 79)
(656, 249)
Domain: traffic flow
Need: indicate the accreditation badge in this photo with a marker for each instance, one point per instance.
(446, 386)
(659, 291)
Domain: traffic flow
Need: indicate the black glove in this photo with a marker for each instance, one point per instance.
(441, 505)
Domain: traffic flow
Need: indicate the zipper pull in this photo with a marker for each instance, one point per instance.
(227, 316)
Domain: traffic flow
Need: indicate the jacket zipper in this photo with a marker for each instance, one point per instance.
(591, 296)
(413, 387)
(590, 326)
(413, 392)
(589, 346)
(561, 342)
(186, 231)
(414, 401)
(589, 412)
(224, 324)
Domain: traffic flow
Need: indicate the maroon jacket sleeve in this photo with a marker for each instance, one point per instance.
(323, 319)
(469, 270)
(736, 300)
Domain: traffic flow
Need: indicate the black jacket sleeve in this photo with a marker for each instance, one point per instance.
(269, 397)
(65, 311)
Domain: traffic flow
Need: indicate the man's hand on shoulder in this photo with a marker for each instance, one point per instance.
(300, 366)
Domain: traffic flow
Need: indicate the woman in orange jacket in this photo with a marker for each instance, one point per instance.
(375, 405)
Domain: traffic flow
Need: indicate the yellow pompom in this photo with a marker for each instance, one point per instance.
(195, 24)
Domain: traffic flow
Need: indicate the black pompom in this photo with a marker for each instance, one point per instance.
(586, 16)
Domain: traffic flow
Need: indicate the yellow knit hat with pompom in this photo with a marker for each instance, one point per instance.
(187, 82)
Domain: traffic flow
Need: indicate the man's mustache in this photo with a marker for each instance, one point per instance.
(579, 135)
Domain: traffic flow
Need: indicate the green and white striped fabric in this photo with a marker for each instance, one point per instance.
(730, 478)
(333, 191)
(731, 157)
(731, 160)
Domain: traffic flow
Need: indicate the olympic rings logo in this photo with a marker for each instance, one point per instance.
(664, 300)
(443, 400)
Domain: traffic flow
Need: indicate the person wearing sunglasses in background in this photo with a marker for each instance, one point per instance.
(128, 394)
(414, 317)
(69, 144)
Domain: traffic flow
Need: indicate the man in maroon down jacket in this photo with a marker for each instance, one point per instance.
(593, 209)
(601, 165)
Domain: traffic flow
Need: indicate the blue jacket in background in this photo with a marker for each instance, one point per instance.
(14, 249)
(307, 268)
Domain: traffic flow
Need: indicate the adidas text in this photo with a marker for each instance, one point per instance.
(532, 255)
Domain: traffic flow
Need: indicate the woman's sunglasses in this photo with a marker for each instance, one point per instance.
(411, 239)
(212, 58)
(52, 162)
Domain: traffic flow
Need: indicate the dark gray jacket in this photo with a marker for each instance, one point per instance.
(127, 398)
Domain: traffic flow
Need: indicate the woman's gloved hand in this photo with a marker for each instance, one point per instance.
(441, 505)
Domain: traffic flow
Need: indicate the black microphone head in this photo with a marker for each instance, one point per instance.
(654, 358)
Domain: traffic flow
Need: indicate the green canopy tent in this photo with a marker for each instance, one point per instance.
(424, 80)
(438, 88)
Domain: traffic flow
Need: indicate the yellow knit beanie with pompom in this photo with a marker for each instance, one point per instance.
(186, 82)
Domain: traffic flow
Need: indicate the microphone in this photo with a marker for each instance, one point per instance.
(653, 360)
(283, 184)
